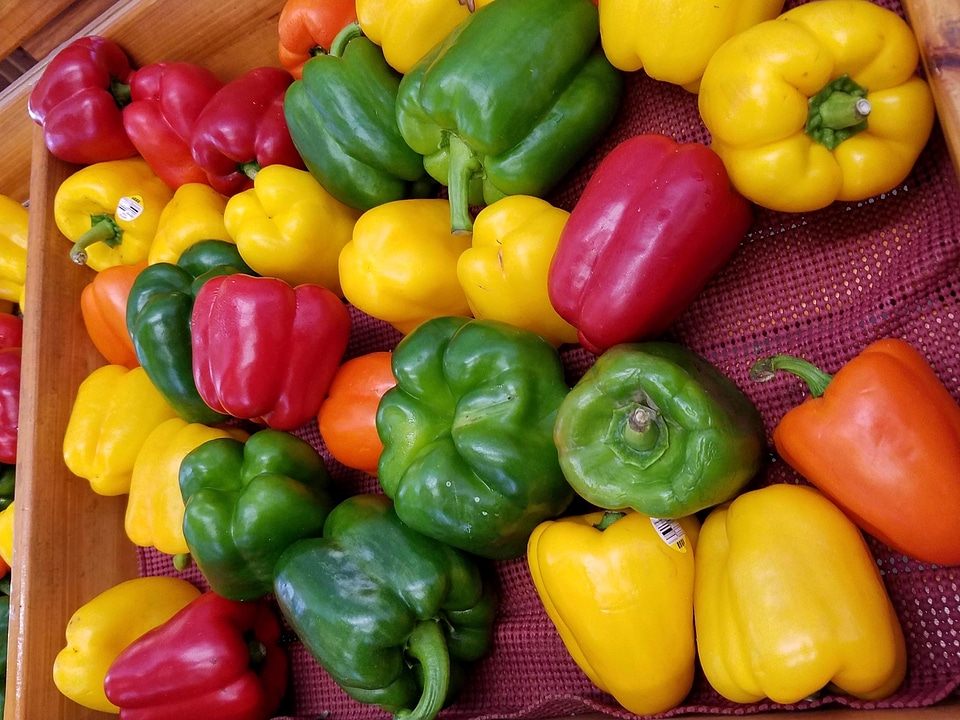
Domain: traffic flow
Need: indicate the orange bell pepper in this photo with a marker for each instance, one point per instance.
(308, 27)
(881, 439)
(103, 305)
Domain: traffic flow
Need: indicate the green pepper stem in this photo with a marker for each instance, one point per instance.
(121, 92)
(103, 229)
(766, 368)
(250, 169)
(839, 111)
(343, 38)
(463, 166)
(182, 561)
(609, 518)
(428, 646)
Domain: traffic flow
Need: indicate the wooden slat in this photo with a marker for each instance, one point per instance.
(21, 20)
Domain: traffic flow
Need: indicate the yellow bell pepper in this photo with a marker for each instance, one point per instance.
(113, 413)
(6, 534)
(14, 224)
(104, 626)
(400, 266)
(154, 516)
(618, 586)
(287, 226)
(406, 29)
(672, 40)
(194, 213)
(504, 272)
(823, 103)
(110, 211)
(788, 600)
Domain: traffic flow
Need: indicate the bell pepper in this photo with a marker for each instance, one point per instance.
(400, 643)
(158, 316)
(656, 221)
(406, 31)
(266, 351)
(242, 129)
(14, 225)
(110, 212)
(78, 101)
(468, 453)
(657, 428)
(306, 28)
(215, 659)
(822, 104)
(881, 439)
(105, 625)
(7, 517)
(618, 586)
(11, 331)
(672, 41)
(166, 98)
(347, 420)
(400, 265)
(10, 367)
(287, 226)
(194, 213)
(246, 502)
(342, 121)
(788, 600)
(504, 272)
(508, 103)
(114, 411)
(103, 306)
(154, 514)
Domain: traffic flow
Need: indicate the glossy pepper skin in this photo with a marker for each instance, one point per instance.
(110, 212)
(215, 659)
(823, 103)
(341, 117)
(159, 309)
(881, 439)
(166, 98)
(657, 428)
(266, 351)
(307, 28)
(618, 586)
(788, 599)
(656, 221)
(103, 306)
(14, 226)
(472, 416)
(401, 643)
(242, 129)
(194, 213)
(78, 100)
(510, 101)
(10, 370)
(246, 502)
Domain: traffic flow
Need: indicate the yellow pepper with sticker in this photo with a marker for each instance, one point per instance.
(194, 213)
(823, 103)
(110, 211)
(618, 586)
(14, 224)
(113, 413)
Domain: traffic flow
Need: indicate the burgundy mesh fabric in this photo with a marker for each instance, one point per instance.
(822, 285)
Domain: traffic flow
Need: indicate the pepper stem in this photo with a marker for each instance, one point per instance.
(103, 228)
(817, 380)
(121, 93)
(839, 111)
(250, 169)
(609, 518)
(463, 166)
(343, 38)
(428, 646)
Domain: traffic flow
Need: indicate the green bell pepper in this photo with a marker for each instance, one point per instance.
(158, 320)
(657, 428)
(509, 101)
(468, 453)
(342, 121)
(389, 613)
(246, 502)
(8, 485)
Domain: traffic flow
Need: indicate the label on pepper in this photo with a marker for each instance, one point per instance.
(671, 533)
(129, 208)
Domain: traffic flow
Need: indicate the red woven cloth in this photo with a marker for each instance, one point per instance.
(822, 285)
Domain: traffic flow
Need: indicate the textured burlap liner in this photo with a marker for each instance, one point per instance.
(821, 285)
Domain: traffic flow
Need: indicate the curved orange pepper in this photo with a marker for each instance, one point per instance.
(103, 304)
(307, 27)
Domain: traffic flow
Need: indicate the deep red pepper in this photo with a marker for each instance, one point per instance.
(166, 98)
(11, 339)
(11, 331)
(216, 658)
(242, 129)
(656, 221)
(265, 351)
(78, 101)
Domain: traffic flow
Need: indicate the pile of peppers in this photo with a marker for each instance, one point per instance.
(398, 167)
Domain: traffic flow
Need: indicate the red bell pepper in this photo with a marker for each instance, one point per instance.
(266, 351)
(216, 658)
(78, 101)
(11, 331)
(166, 98)
(10, 365)
(242, 129)
(656, 221)
(307, 28)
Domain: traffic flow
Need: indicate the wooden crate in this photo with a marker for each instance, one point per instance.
(70, 543)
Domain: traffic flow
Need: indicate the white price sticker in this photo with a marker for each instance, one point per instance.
(671, 533)
(129, 208)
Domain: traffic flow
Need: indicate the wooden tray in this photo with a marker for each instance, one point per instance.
(70, 543)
